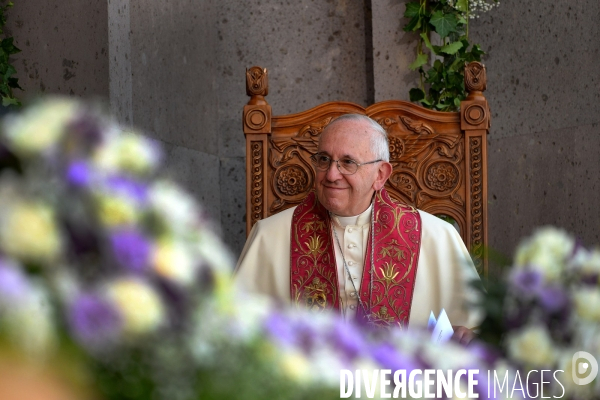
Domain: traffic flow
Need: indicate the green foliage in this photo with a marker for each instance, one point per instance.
(442, 84)
(7, 48)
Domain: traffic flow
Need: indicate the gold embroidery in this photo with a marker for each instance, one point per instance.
(388, 273)
(314, 246)
(314, 296)
(382, 317)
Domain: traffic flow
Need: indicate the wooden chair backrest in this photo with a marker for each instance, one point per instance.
(439, 158)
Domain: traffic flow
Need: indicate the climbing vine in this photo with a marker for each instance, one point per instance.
(443, 49)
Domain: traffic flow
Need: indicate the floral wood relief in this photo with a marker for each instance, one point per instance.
(290, 158)
(427, 165)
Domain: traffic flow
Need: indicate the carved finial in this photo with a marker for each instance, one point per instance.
(475, 78)
(257, 84)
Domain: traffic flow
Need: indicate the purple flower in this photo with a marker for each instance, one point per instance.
(307, 336)
(128, 187)
(281, 329)
(86, 130)
(14, 285)
(553, 298)
(526, 281)
(94, 321)
(78, 173)
(131, 249)
(348, 339)
(389, 358)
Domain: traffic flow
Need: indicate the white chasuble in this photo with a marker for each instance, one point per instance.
(444, 271)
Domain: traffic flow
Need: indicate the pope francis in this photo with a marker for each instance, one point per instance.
(350, 248)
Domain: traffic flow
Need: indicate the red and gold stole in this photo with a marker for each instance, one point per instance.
(313, 275)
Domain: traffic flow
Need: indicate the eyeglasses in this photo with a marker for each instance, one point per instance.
(346, 166)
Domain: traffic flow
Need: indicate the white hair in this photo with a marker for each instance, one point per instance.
(379, 141)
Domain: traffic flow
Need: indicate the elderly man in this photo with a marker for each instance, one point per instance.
(350, 248)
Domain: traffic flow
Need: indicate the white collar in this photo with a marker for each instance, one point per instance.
(354, 220)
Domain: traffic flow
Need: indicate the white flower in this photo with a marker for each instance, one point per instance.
(28, 231)
(40, 126)
(176, 207)
(214, 252)
(587, 261)
(129, 152)
(587, 303)
(173, 260)
(139, 305)
(532, 346)
(547, 251)
(29, 322)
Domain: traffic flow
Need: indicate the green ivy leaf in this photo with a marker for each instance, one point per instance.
(451, 48)
(444, 23)
(421, 60)
(462, 5)
(433, 49)
(412, 10)
(413, 25)
(8, 101)
(416, 94)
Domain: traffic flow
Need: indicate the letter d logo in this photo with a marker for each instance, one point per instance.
(581, 368)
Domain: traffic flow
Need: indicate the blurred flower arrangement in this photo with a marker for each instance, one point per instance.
(548, 309)
(114, 277)
(113, 280)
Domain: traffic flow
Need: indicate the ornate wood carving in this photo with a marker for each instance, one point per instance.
(257, 113)
(477, 247)
(418, 127)
(475, 77)
(256, 200)
(257, 82)
(439, 159)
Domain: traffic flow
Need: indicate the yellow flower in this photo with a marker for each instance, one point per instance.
(139, 305)
(587, 303)
(115, 211)
(28, 231)
(295, 366)
(546, 251)
(532, 346)
(40, 126)
(174, 261)
(127, 152)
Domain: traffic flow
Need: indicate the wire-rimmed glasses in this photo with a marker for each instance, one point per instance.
(345, 165)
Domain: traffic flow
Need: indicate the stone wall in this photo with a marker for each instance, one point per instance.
(176, 70)
(544, 91)
(64, 47)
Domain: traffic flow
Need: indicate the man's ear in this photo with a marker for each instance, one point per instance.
(383, 173)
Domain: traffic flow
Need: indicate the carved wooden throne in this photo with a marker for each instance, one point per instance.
(439, 158)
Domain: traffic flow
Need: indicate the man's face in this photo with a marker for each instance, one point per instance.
(347, 195)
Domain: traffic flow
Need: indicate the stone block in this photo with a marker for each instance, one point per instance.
(198, 173)
(545, 178)
(542, 65)
(393, 51)
(233, 203)
(314, 52)
(64, 47)
(173, 65)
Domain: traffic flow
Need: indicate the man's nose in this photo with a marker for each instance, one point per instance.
(333, 172)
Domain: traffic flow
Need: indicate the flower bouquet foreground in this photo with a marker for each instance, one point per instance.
(545, 316)
(114, 285)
